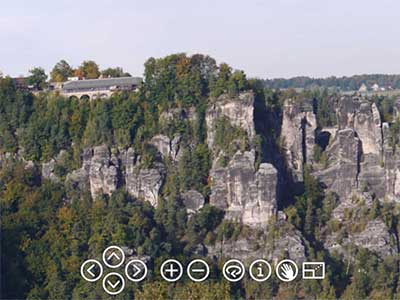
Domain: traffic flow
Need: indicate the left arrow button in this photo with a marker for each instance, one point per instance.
(91, 270)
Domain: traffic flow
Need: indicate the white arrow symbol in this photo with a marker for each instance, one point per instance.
(113, 255)
(138, 270)
(89, 270)
(113, 285)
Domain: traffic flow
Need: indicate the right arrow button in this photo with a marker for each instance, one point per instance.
(136, 270)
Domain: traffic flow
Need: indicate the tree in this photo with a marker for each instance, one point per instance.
(115, 72)
(237, 82)
(37, 78)
(61, 71)
(89, 69)
(220, 85)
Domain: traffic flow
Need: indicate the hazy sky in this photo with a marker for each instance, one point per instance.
(270, 38)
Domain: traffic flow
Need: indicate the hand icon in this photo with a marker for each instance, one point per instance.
(287, 271)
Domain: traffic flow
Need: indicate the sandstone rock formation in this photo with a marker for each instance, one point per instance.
(238, 110)
(79, 179)
(142, 182)
(48, 168)
(145, 183)
(247, 195)
(364, 118)
(288, 243)
(193, 201)
(359, 156)
(162, 143)
(178, 114)
(373, 165)
(375, 237)
(341, 175)
(298, 135)
(104, 171)
(167, 147)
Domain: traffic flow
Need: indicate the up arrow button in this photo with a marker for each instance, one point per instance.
(113, 254)
(113, 257)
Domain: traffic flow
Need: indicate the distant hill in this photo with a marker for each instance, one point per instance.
(343, 83)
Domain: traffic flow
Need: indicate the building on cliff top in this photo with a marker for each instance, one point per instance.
(99, 88)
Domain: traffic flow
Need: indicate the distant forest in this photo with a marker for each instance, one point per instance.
(343, 83)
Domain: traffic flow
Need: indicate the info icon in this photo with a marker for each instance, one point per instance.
(260, 270)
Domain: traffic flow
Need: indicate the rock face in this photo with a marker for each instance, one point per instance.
(167, 147)
(298, 135)
(391, 165)
(377, 164)
(145, 184)
(289, 244)
(341, 175)
(247, 195)
(162, 143)
(375, 237)
(79, 179)
(359, 156)
(238, 110)
(360, 162)
(364, 118)
(178, 114)
(48, 168)
(142, 182)
(193, 201)
(103, 172)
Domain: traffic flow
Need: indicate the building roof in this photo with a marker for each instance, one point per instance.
(101, 83)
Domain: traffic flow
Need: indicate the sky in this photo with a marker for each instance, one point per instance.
(266, 39)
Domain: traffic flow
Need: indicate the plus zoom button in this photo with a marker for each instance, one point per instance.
(171, 270)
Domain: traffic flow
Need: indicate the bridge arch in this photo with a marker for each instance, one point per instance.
(85, 97)
(73, 97)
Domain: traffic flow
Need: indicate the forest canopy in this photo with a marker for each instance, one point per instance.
(48, 228)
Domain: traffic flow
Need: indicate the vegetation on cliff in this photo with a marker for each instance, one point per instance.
(47, 232)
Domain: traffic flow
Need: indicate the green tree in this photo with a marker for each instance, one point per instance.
(221, 84)
(61, 71)
(37, 78)
(238, 82)
(89, 69)
(114, 72)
